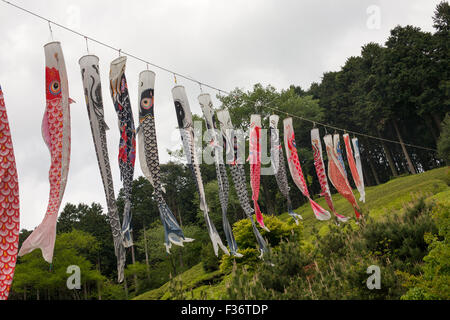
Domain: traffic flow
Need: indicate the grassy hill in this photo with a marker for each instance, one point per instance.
(381, 199)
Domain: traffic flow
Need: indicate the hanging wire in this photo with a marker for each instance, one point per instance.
(266, 105)
(87, 47)
(50, 28)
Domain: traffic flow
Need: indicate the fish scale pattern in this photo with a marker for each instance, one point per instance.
(279, 167)
(321, 175)
(173, 232)
(296, 170)
(9, 208)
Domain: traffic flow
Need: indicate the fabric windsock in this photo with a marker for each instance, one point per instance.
(127, 142)
(296, 169)
(321, 175)
(255, 164)
(278, 166)
(9, 205)
(222, 179)
(352, 165)
(359, 168)
(238, 173)
(185, 125)
(149, 159)
(337, 176)
(56, 134)
(90, 74)
(338, 150)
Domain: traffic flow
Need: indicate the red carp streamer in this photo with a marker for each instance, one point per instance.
(296, 169)
(56, 134)
(255, 164)
(9, 205)
(355, 174)
(321, 175)
(337, 175)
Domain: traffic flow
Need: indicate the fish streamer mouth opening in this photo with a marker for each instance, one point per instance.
(87, 56)
(147, 71)
(119, 60)
(51, 43)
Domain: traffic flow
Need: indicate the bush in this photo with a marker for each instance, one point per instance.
(248, 247)
(434, 279)
(335, 266)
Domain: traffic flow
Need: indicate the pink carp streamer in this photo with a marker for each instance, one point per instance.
(9, 205)
(355, 174)
(321, 175)
(255, 164)
(296, 169)
(56, 134)
(337, 175)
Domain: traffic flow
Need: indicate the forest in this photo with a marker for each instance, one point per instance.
(396, 95)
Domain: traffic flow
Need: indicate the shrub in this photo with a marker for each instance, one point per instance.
(248, 247)
(335, 266)
(434, 279)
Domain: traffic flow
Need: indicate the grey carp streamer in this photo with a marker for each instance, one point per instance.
(222, 178)
(93, 93)
(184, 118)
(149, 160)
(238, 173)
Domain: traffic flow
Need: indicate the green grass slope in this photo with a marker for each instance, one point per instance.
(194, 283)
(381, 199)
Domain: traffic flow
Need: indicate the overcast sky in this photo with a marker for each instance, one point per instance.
(226, 43)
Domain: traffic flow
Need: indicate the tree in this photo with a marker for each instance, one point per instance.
(444, 140)
(35, 278)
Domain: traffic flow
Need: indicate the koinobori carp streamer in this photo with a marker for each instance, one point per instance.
(351, 162)
(238, 173)
(221, 173)
(337, 175)
(296, 169)
(255, 164)
(149, 159)
(358, 165)
(56, 134)
(184, 117)
(9, 205)
(321, 175)
(338, 151)
(90, 75)
(127, 143)
(278, 166)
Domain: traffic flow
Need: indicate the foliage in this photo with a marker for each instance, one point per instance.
(162, 264)
(243, 233)
(187, 281)
(443, 144)
(335, 267)
(434, 280)
(35, 278)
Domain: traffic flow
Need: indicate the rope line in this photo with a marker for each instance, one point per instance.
(175, 74)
